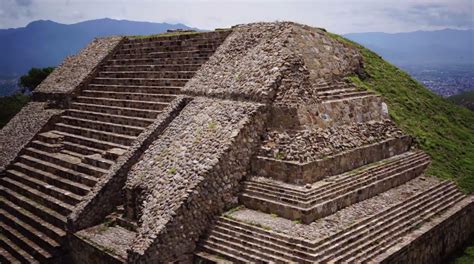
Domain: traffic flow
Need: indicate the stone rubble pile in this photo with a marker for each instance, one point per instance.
(309, 145)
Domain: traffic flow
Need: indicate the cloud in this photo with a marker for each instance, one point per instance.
(435, 15)
(24, 2)
(340, 16)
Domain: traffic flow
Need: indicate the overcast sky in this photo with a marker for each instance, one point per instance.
(340, 16)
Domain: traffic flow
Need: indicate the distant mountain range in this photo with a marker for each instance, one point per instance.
(45, 43)
(421, 48)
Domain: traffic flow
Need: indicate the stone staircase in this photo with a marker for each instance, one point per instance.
(333, 193)
(339, 90)
(62, 164)
(246, 241)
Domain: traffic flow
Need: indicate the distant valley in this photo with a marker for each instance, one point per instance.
(442, 60)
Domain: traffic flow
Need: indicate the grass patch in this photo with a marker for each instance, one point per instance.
(10, 106)
(443, 130)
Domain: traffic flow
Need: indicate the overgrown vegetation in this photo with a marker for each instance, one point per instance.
(10, 105)
(34, 77)
(445, 131)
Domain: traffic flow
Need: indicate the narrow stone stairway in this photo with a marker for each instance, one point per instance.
(62, 164)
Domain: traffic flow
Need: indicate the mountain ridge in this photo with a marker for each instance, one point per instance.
(45, 43)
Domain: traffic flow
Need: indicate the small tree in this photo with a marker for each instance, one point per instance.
(34, 77)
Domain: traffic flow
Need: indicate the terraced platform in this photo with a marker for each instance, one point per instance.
(63, 162)
(252, 236)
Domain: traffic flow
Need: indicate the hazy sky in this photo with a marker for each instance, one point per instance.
(340, 16)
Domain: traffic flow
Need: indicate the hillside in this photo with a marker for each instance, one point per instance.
(442, 129)
(421, 48)
(45, 43)
(465, 99)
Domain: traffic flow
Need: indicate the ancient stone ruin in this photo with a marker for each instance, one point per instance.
(239, 145)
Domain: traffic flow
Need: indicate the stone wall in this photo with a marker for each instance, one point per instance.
(190, 175)
(22, 128)
(75, 71)
(328, 114)
(436, 240)
(107, 193)
(323, 56)
(303, 173)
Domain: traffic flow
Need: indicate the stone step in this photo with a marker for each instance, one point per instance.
(38, 196)
(160, 42)
(120, 139)
(39, 238)
(140, 81)
(329, 88)
(13, 253)
(337, 90)
(103, 117)
(50, 190)
(25, 243)
(87, 142)
(115, 110)
(52, 148)
(103, 126)
(290, 192)
(345, 95)
(268, 250)
(152, 67)
(6, 257)
(299, 247)
(197, 53)
(44, 213)
(179, 37)
(230, 253)
(96, 160)
(329, 199)
(158, 61)
(253, 251)
(332, 202)
(149, 105)
(66, 161)
(49, 178)
(55, 233)
(203, 257)
(167, 48)
(148, 74)
(136, 96)
(356, 96)
(135, 89)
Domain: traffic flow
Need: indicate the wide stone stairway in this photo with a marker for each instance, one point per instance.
(65, 160)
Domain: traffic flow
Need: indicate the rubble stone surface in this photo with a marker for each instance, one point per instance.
(190, 174)
(22, 128)
(309, 145)
(74, 70)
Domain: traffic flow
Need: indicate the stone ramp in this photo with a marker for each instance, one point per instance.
(62, 164)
